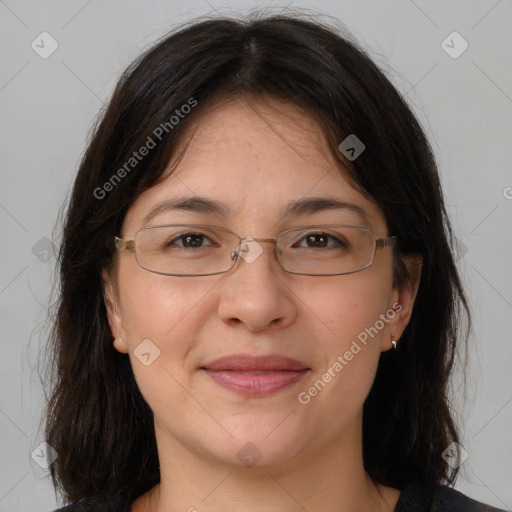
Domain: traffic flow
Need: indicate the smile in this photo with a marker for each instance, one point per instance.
(255, 376)
(255, 383)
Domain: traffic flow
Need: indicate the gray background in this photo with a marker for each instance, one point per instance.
(48, 106)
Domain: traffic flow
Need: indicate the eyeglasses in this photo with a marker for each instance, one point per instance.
(202, 250)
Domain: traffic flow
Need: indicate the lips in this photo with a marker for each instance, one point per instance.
(255, 376)
(244, 363)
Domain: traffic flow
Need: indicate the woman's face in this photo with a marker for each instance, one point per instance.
(334, 327)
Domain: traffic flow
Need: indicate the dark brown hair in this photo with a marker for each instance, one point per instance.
(97, 420)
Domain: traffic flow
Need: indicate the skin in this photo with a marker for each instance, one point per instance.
(255, 156)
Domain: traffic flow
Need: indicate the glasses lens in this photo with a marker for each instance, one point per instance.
(185, 249)
(326, 250)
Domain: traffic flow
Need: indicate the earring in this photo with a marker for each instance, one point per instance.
(120, 340)
(393, 341)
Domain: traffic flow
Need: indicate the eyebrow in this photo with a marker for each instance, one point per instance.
(306, 206)
(191, 203)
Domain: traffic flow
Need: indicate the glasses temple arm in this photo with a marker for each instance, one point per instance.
(386, 242)
(124, 245)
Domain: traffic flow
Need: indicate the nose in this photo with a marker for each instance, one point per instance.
(254, 293)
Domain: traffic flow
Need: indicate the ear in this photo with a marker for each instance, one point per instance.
(402, 300)
(115, 322)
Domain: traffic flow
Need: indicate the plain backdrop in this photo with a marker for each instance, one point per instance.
(47, 105)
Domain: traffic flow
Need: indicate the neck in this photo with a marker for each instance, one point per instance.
(330, 476)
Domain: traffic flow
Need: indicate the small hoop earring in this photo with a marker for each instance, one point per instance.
(393, 341)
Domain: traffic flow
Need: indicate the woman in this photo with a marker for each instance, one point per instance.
(259, 308)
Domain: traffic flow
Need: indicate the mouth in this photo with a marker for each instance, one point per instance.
(255, 376)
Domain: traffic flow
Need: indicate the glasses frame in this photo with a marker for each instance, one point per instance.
(122, 244)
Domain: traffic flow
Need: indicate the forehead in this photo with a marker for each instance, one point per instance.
(255, 158)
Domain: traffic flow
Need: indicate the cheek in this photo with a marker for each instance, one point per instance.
(161, 319)
(347, 305)
(155, 305)
(349, 311)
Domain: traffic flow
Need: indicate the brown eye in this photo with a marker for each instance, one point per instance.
(189, 240)
(321, 241)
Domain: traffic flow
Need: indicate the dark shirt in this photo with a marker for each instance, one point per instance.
(414, 498)
(439, 498)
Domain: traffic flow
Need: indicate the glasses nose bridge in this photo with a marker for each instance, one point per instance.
(239, 248)
(236, 255)
(252, 239)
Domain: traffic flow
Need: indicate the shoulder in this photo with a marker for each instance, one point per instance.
(98, 506)
(438, 498)
(84, 507)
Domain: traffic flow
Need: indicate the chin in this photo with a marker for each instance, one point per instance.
(260, 446)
